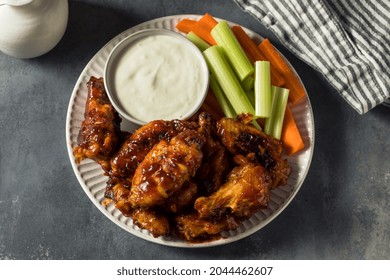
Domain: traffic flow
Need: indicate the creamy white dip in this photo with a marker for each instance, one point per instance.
(159, 77)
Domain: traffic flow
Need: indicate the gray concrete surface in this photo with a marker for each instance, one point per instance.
(341, 211)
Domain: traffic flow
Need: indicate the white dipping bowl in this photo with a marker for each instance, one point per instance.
(156, 74)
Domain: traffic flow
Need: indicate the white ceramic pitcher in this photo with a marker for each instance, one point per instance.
(30, 28)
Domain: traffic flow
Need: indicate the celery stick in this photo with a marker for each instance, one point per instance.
(227, 80)
(263, 89)
(274, 124)
(225, 38)
(222, 100)
(199, 42)
(255, 124)
(248, 83)
(251, 96)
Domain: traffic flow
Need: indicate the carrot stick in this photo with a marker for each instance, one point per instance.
(185, 25)
(292, 82)
(208, 20)
(203, 28)
(204, 33)
(290, 136)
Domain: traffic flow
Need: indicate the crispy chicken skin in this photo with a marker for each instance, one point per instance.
(100, 131)
(244, 193)
(118, 191)
(191, 227)
(240, 137)
(135, 148)
(155, 221)
(165, 168)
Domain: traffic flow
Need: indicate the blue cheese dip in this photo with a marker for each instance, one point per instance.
(160, 76)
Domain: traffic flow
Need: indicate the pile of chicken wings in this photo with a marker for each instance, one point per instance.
(188, 179)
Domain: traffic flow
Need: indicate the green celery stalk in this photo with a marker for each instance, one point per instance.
(223, 73)
(248, 83)
(251, 96)
(255, 124)
(263, 89)
(225, 38)
(222, 100)
(197, 41)
(274, 124)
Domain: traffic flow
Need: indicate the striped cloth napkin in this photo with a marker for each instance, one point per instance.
(348, 41)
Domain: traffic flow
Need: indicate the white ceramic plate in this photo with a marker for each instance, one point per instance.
(93, 182)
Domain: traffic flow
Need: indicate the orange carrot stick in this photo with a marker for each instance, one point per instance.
(204, 33)
(292, 82)
(290, 136)
(208, 20)
(203, 28)
(186, 25)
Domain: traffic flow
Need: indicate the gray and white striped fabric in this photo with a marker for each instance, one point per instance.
(348, 41)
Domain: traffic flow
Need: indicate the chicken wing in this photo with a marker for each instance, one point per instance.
(182, 198)
(100, 131)
(135, 148)
(244, 193)
(118, 191)
(152, 220)
(216, 162)
(240, 137)
(191, 227)
(165, 168)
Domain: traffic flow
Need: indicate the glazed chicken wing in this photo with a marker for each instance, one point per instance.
(191, 227)
(100, 131)
(165, 168)
(240, 137)
(182, 198)
(212, 173)
(216, 162)
(152, 220)
(244, 193)
(118, 191)
(135, 148)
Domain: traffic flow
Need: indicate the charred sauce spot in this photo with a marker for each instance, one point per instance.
(250, 143)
